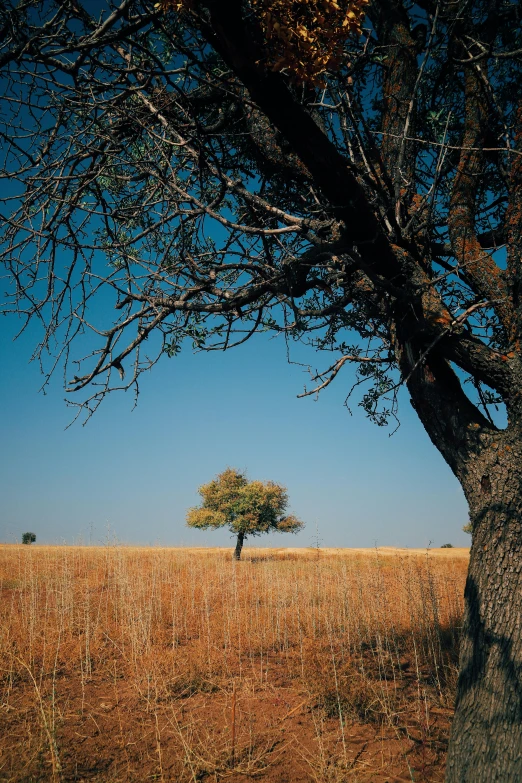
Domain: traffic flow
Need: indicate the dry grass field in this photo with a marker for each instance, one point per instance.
(128, 664)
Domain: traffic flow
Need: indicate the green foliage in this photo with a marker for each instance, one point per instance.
(28, 538)
(248, 507)
(468, 528)
(447, 546)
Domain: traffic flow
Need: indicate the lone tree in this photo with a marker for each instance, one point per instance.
(204, 170)
(247, 508)
(28, 538)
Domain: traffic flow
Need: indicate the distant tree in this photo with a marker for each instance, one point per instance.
(447, 546)
(247, 508)
(28, 538)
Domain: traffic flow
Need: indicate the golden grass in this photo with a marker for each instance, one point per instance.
(127, 663)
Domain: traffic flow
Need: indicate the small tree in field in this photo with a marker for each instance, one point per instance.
(247, 508)
(28, 538)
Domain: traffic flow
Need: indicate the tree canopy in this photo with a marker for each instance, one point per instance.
(247, 508)
(202, 171)
(202, 192)
(158, 160)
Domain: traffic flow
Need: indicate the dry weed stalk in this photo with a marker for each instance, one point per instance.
(363, 640)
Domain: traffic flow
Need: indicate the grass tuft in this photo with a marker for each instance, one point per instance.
(128, 664)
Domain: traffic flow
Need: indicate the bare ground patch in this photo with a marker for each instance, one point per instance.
(133, 665)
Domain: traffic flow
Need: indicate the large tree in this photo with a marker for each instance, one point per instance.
(210, 169)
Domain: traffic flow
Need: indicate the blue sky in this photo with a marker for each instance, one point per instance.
(130, 475)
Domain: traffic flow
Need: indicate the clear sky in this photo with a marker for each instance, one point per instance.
(129, 475)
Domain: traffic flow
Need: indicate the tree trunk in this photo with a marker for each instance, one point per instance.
(239, 545)
(486, 735)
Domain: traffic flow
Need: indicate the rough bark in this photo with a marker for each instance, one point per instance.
(486, 278)
(239, 545)
(486, 737)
